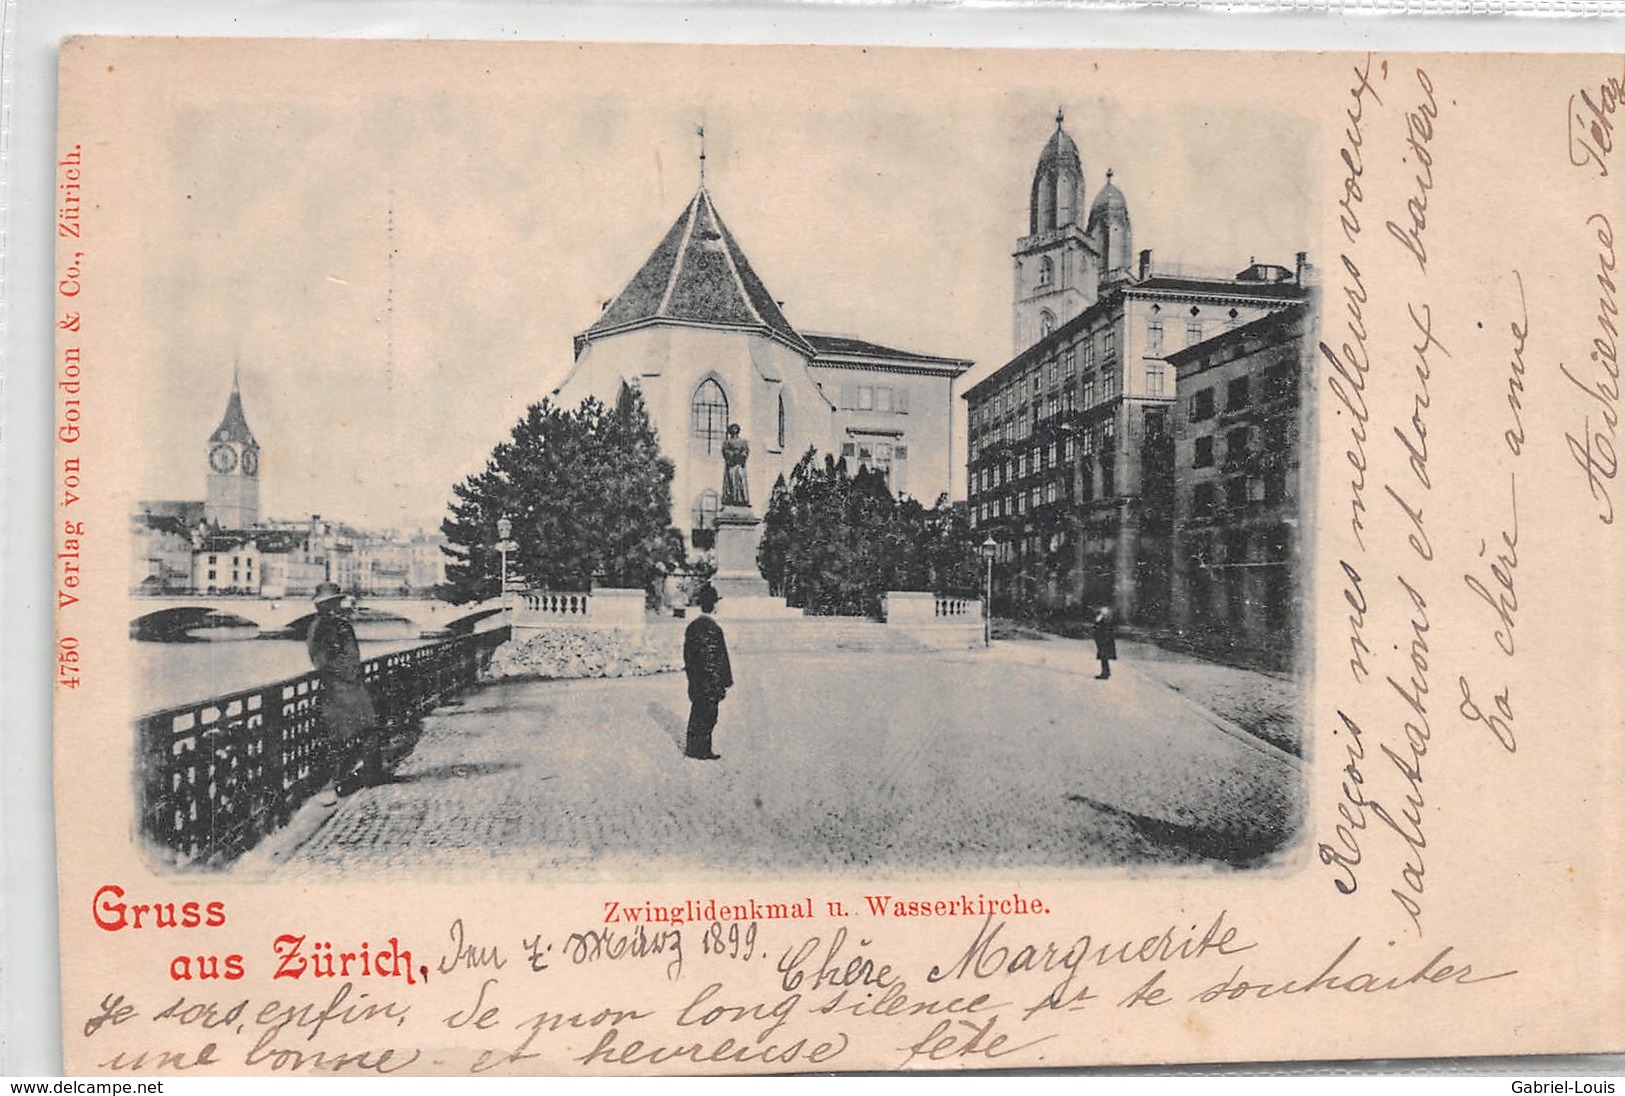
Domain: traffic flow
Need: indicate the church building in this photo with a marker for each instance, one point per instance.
(232, 497)
(700, 336)
(1071, 469)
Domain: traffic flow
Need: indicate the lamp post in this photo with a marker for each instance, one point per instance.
(989, 548)
(504, 545)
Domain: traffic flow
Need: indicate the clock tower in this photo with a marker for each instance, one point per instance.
(233, 499)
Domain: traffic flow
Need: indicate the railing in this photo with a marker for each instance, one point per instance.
(948, 607)
(547, 603)
(218, 775)
(605, 607)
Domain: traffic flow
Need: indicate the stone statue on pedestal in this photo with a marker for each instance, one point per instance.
(735, 485)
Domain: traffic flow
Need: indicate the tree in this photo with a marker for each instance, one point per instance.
(588, 495)
(834, 543)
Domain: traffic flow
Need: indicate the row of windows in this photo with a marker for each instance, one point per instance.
(235, 561)
(1056, 370)
(1277, 382)
(1238, 443)
(1239, 491)
(1056, 490)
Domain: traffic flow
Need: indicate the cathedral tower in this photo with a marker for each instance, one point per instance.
(1057, 264)
(233, 498)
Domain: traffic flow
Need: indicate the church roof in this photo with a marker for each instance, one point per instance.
(1060, 151)
(829, 347)
(697, 274)
(1109, 200)
(233, 424)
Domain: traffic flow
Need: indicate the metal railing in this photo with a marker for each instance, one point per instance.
(216, 776)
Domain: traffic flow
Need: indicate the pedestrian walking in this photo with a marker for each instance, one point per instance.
(1105, 641)
(344, 706)
(705, 661)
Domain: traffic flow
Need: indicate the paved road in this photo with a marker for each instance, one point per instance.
(874, 759)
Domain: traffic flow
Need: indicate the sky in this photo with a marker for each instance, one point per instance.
(395, 243)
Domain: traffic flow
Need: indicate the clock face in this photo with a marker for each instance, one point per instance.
(251, 462)
(222, 458)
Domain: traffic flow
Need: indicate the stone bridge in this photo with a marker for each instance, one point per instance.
(408, 616)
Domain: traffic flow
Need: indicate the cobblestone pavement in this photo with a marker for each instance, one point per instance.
(1266, 705)
(875, 759)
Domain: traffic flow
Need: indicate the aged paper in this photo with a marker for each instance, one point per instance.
(1350, 789)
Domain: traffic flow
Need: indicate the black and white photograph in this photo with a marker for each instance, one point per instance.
(652, 475)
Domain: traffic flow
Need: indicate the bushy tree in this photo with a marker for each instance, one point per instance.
(834, 543)
(589, 496)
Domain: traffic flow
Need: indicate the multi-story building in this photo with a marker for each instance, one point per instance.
(1236, 456)
(1070, 452)
(699, 335)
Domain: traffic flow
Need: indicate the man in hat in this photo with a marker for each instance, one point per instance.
(345, 706)
(705, 661)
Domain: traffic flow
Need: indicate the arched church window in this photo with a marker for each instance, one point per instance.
(710, 415)
(704, 531)
(1046, 323)
(782, 423)
(1046, 272)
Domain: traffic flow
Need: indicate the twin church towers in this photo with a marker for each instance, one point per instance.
(1066, 261)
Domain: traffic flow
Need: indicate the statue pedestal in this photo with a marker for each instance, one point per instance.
(738, 531)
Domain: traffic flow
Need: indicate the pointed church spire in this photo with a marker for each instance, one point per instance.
(234, 424)
(1060, 116)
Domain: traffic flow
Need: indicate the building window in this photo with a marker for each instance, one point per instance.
(1235, 492)
(1088, 391)
(1069, 362)
(1108, 348)
(1054, 372)
(1202, 405)
(1193, 331)
(1236, 395)
(1279, 382)
(1154, 377)
(1046, 324)
(877, 457)
(706, 507)
(1204, 452)
(1108, 468)
(1235, 445)
(1276, 436)
(1203, 499)
(1088, 352)
(783, 431)
(1153, 335)
(1231, 318)
(1108, 380)
(1046, 272)
(1156, 423)
(710, 415)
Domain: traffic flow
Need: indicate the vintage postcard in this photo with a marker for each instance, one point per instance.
(685, 559)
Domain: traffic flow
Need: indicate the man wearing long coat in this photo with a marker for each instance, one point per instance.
(344, 706)
(705, 661)
(1105, 641)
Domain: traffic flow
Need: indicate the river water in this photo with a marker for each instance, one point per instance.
(170, 674)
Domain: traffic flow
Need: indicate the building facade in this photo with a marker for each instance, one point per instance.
(1070, 460)
(697, 333)
(1238, 443)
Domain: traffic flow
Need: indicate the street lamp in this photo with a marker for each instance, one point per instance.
(989, 548)
(504, 545)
